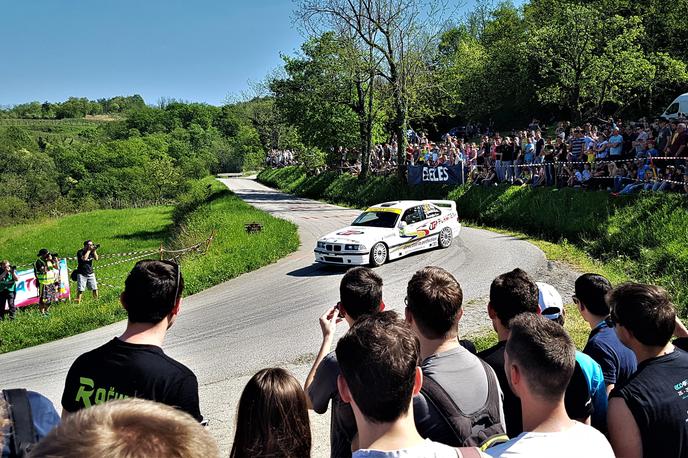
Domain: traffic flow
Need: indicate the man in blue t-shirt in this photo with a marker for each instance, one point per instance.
(615, 144)
(617, 361)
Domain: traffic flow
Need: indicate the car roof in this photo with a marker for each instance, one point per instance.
(399, 204)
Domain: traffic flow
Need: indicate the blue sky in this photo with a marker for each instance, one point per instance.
(200, 50)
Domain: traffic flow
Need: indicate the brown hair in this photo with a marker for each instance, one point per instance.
(544, 353)
(434, 300)
(130, 428)
(513, 293)
(378, 357)
(272, 418)
(360, 292)
(644, 310)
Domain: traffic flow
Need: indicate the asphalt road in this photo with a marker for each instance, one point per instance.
(269, 317)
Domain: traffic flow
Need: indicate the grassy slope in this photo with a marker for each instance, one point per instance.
(232, 252)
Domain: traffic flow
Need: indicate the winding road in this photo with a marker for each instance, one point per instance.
(269, 317)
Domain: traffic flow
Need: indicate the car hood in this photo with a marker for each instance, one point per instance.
(357, 234)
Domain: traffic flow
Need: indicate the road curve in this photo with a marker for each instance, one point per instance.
(269, 317)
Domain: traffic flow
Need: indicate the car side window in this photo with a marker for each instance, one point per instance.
(432, 212)
(413, 215)
(673, 109)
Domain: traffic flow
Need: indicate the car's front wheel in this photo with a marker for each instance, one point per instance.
(445, 237)
(378, 254)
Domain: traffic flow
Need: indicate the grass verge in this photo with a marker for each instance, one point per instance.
(208, 205)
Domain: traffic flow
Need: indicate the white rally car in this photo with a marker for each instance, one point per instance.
(389, 231)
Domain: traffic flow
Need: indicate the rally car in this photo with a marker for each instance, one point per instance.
(389, 231)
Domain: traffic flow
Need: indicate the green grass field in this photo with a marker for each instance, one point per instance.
(231, 253)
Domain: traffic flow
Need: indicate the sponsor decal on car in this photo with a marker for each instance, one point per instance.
(384, 209)
(351, 232)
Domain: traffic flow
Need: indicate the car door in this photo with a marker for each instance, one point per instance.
(432, 219)
(410, 231)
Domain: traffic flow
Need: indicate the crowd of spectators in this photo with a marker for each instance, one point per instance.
(612, 155)
(279, 158)
(396, 385)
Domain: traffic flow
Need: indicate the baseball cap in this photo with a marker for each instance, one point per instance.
(550, 301)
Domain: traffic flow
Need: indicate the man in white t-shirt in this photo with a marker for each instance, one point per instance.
(539, 362)
(378, 359)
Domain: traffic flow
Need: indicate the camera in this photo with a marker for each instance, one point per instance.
(13, 267)
(96, 246)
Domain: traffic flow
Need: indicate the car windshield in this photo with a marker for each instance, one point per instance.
(376, 219)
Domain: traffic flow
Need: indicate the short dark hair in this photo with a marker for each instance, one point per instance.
(591, 291)
(513, 293)
(378, 357)
(645, 310)
(360, 292)
(149, 290)
(434, 300)
(87, 242)
(544, 352)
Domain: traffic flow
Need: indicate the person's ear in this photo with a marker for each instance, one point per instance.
(177, 305)
(418, 381)
(408, 316)
(123, 300)
(460, 314)
(343, 389)
(490, 311)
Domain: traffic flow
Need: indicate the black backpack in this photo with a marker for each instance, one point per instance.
(22, 433)
(480, 429)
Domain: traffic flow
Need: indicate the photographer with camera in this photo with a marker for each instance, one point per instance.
(8, 289)
(85, 277)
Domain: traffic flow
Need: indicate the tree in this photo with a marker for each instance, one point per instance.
(398, 36)
(586, 64)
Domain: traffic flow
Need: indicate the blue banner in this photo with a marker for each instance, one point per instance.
(441, 174)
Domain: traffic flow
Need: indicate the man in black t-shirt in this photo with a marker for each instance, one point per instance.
(85, 277)
(511, 294)
(133, 365)
(647, 415)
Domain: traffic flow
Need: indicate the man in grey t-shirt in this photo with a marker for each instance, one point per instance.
(433, 310)
(360, 293)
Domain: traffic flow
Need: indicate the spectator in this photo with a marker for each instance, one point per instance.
(360, 294)
(129, 428)
(133, 364)
(451, 373)
(272, 418)
(664, 136)
(678, 145)
(380, 375)
(511, 294)
(647, 414)
(539, 362)
(615, 144)
(47, 279)
(85, 277)
(8, 289)
(25, 418)
(586, 397)
(617, 361)
(577, 144)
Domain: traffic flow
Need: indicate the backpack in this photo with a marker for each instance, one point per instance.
(481, 427)
(22, 432)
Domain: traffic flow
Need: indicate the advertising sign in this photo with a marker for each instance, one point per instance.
(27, 289)
(419, 174)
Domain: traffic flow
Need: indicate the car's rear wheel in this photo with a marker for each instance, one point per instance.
(378, 254)
(445, 238)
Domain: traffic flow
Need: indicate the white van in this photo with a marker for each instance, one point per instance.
(677, 108)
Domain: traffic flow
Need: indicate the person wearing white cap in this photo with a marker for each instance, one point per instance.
(586, 395)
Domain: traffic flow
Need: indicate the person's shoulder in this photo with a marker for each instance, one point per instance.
(591, 440)
(494, 351)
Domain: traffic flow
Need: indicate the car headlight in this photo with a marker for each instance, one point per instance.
(321, 244)
(355, 247)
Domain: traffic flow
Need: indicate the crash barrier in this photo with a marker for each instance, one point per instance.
(27, 288)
